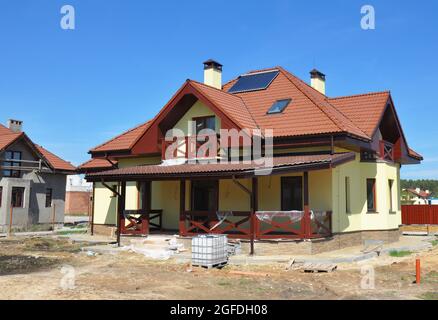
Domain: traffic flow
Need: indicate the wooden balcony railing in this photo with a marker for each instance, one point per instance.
(188, 147)
(386, 151)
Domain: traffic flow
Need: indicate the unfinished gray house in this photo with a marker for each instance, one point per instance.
(32, 181)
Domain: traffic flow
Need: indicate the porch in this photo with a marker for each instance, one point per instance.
(222, 199)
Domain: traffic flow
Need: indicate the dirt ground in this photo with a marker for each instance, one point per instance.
(47, 268)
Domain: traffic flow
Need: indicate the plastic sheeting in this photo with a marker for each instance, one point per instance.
(222, 216)
(268, 216)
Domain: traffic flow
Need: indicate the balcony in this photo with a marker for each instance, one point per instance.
(386, 151)
(189, 147)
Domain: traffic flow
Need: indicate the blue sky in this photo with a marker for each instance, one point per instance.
(77, 88)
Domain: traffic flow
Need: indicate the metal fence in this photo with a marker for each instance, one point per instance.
(419, 214)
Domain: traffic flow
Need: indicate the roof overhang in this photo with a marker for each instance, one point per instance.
(280, 165)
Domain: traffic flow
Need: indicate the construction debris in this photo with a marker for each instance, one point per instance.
(372, 246)
(319, 267)
(234, 247)
(311, 267)
(289, 265)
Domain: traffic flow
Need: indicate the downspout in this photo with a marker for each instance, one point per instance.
(332, 145)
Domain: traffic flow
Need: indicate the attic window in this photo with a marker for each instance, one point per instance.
(279, 106)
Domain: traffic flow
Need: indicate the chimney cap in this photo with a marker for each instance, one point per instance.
(15, 121)
(210, 63)
(317, 74)
(15, 125)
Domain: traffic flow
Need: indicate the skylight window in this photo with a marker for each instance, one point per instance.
(279, 106)
(254, 81)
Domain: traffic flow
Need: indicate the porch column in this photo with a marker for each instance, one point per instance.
(120, 209)
(91, 205)
(254, 208)
(307, 220)
(182, 207)
(147, 203)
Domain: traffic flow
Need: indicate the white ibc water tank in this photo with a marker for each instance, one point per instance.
(209, 250)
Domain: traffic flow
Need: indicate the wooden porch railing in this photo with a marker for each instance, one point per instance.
(237, 224)
(140, 221)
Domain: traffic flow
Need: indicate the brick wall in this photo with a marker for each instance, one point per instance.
(77, 202)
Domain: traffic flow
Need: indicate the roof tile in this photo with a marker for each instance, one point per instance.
(56, 162)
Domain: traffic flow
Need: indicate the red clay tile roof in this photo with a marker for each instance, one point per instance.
(6, 140)
(278, 162)
(7, 137)
(309, 112)
(96, 164)
(232, 105)
(421, 193)
(123, 141)
(56, 162)
(364, 110)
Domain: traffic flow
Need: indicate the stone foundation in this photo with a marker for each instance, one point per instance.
(105, 230)
(314, 246)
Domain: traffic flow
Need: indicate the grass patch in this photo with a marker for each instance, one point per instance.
(435, 243)
(50, 245)
(22, 264)
(429, 296)
(65, 232)
(224, 283)
(400, 254)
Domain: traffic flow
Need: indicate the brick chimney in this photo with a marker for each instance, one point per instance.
(15, 125)
(213, 74)
(317, 80)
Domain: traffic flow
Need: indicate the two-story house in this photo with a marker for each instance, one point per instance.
(328, 171)
(32, 181)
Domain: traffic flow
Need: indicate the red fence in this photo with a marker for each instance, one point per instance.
(420, 214)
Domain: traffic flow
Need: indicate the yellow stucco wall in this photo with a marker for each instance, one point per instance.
(105, 205)
(359, 218)
(197, 110)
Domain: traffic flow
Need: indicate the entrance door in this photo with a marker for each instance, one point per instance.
(205, 195)
(291, 193)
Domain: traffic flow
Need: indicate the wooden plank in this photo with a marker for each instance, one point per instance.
(319, 267)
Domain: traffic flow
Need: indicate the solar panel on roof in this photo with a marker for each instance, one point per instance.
(255, 81)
